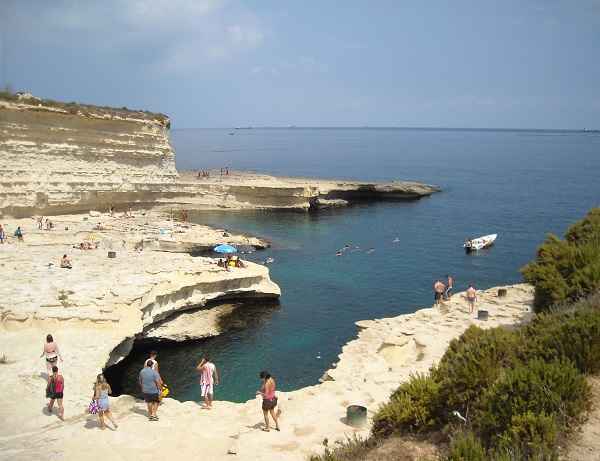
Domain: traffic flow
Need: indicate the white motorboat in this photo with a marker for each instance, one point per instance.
(479, 243)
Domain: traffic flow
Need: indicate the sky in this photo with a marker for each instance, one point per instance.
(225, 63)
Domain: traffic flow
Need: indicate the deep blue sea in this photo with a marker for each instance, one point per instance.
(519, 184)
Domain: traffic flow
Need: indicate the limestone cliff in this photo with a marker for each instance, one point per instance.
(61, 158)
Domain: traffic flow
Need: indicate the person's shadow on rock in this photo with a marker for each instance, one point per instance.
(92, 423)
(139, 411)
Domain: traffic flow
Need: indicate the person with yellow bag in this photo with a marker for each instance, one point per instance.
(164, 390)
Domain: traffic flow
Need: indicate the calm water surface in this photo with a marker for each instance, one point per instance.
(519, 184)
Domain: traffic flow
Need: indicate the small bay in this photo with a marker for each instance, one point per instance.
(519, 184)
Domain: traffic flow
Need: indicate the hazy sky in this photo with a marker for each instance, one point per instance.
(211, 63)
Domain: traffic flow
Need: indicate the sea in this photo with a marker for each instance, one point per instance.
(520, 184)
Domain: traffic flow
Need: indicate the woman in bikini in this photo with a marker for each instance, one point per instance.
(52, 354)
(269, 403)
(101, 392)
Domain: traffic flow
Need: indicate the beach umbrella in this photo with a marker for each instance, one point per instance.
(224, 248)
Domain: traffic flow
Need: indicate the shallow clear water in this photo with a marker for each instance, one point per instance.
(519, 184)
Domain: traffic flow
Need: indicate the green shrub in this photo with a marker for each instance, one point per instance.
(571, 333)
(472, 363)
(567, 269)
(586, 229)
(466, 447)
(532, 436)
(556, 390)
(412, 408)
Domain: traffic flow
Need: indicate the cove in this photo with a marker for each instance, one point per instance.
(552, 183)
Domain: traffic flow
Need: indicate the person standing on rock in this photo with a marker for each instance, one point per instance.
(209, 377)
(269, 402)
(52, 354)
(471, 298)
(101, 391)
(19, 234)
(2, 234)
(150, 384)
(55, 391)
(152, 358)
(438, 291)
(449, 286)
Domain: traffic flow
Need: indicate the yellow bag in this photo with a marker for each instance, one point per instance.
(164, 391)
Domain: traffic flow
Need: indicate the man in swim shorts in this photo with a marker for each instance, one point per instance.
(209, 377)
(449, 286)
(471, 297)
(151, 384)
(438, 291)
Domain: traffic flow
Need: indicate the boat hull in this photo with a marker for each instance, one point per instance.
(480, 243)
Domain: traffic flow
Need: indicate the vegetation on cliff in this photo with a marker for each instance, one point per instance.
(84, 110)
(565, 270)
(501, 394)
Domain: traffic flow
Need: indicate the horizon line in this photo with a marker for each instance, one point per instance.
(384, 127)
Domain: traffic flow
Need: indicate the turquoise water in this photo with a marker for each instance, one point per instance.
(520, 184)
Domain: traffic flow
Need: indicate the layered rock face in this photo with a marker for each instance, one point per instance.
(66, 158)
(56, 160)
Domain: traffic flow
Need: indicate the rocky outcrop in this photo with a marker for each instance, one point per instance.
(55, 160)
(98, 309)
(245, 190)
(211, 320)
(385, 353)
(130, 292)
(64, 158)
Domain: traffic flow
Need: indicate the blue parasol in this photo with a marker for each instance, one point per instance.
(224, 248)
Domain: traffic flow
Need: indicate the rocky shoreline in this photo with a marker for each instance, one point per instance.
(146, 278)
(370, 367)
(63, 158)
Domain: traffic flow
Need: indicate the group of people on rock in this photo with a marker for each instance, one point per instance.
(152, 387)
(443, 292)
(230, 261)
(45, 224)
(206, 173)
(18, 234)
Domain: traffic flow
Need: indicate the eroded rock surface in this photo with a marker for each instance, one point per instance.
(370, 367)
(65, 158)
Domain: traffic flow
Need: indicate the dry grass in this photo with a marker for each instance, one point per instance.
(86, 109)
(405, 448)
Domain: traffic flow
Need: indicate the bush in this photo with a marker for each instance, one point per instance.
(355, 448)
(571, 333)
(471, 364)
(565, 270)
(412, 408)
(586, 229)
(466, 447)
(530, 436)
(546, 390)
